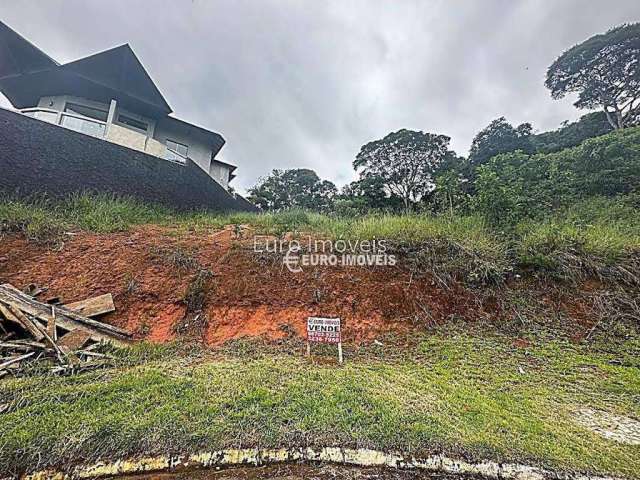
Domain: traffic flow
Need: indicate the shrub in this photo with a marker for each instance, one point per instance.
(515, 185)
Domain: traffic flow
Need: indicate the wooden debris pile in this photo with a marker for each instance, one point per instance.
(62, 337)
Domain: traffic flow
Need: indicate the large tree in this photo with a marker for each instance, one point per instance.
(405, 162)
(499, 137)
(369, 193)
(605, 73)
(295, 188)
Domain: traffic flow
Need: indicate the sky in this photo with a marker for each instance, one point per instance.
(305, 83)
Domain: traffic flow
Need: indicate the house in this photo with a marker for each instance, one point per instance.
(108, 95)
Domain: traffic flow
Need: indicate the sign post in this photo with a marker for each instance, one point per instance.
(324, 330)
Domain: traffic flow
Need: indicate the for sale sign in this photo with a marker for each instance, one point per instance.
(325, 330)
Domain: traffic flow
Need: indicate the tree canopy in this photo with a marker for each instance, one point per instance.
(405, 162)
(605, 73)
(499, 137)
(367, 194)
(301, 188)
(570, 134)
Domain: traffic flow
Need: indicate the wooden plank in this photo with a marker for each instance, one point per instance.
(51, 325)
(96, 336)
(23, 345)
(75, 339)
(17, 317)
(62, 311)
(92, 307)
(16, 360)
(65, 319)
(61, 355)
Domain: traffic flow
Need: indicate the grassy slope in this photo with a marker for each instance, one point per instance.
(586, 239)
(462, 394)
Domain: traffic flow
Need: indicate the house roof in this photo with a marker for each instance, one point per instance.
(18, 56)
(27, 74)
(120, 70)
(232, 166)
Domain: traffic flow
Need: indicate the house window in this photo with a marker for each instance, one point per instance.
(133, 123)
(88, 120)
(176, 151)
(89, 112)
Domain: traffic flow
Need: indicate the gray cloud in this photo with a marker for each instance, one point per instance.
(306, 83)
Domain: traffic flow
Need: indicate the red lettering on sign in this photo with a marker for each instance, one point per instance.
(323, 330)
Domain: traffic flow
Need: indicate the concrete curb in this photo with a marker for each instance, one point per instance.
(348, 456)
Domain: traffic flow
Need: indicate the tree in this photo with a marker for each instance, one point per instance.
(368, 193)
(452, 186)
(301, 188)
(499, 137)
(405, 162)
(605, 73)
(591, 125)
(449, 193)
(514, 185)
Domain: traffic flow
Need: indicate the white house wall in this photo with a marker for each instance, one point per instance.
(199, 149)
(220, 173)
(153, 142)
(127, 137)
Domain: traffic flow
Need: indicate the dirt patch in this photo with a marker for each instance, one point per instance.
(298, 472)
(155, 273)
(613, 427)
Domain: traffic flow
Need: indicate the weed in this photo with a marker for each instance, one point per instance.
(177, 257)
(131, 284)
(599, 237)
(194, 297)
(37, 222)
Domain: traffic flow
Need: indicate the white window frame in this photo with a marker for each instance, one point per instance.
(180, 157)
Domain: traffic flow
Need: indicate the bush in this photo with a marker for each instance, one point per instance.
(516, 185)
(597, 237)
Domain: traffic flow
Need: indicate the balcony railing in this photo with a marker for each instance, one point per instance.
(88, 126)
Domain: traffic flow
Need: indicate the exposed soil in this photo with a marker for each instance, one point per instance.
(614, 427)
(299, 472)
(153, 274)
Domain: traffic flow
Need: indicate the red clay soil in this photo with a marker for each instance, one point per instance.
(248, 295)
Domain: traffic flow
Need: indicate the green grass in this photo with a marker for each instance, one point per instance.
(598, 237)
(603, 227)
(584, 240)
(460, 394)
(104, 214)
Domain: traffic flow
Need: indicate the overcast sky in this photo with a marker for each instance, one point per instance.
(306, 83)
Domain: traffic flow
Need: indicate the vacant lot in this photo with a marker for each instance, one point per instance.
(514, 346)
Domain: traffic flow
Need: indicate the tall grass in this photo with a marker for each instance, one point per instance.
(598, 236)
(104, 214)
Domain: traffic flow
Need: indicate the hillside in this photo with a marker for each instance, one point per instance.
(509, 338)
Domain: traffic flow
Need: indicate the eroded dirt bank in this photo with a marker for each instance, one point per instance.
(299, 472)
(214, 287)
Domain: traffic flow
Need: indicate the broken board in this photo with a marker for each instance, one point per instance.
(92, 307)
